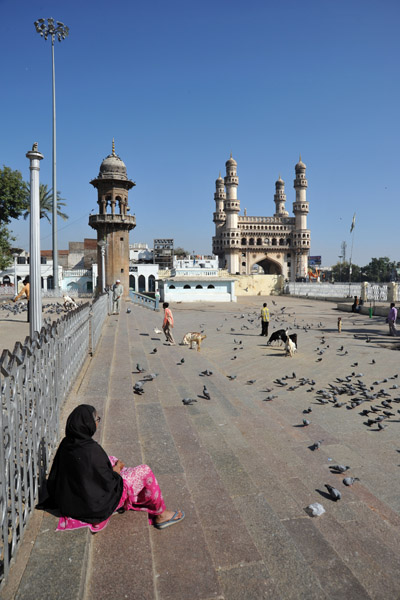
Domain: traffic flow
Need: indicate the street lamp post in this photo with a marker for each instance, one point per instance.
(60, 31)
(15, 256)
(102, 245)
(35, 295)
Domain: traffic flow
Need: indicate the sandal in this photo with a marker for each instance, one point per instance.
(171, 521)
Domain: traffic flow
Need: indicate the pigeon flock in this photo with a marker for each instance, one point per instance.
(10, 309)
(373, 400)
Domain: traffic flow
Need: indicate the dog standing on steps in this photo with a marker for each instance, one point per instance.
(290, 347)
(193, 337)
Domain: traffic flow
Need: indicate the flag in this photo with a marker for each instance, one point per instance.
(353, 223)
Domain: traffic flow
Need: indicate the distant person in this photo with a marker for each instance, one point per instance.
(168, 324)
(25, 291)
(355, 306)
(392, 317)
(118, 290)
(264, 320)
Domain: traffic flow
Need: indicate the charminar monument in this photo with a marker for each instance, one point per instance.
(279, 244)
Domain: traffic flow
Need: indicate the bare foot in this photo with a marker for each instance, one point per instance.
(167, 515)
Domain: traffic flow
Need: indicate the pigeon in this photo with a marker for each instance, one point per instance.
(128, 310)
(231, 377)
(307, 410)
(206, 373)
(158, 331)
(316, 445)
(251, 381)
(140, 369)
(333, 492)
(138, 388)
(206, 393)
(269, 398)
(339, 468)
(182, 361)
(306, 422)
(381, 426)
(188, 401)
(150, 377)
(154, 351)
(350, 480)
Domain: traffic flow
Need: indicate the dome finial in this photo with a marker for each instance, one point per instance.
(299, 157)
(113, 148)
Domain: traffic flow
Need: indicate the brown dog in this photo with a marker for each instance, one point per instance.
(193, 337)
(339, 324)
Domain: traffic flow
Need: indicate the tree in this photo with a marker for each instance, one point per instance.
(5, 247)
(341, 272)
(380, 269)
(45, 201)
(180, 252)
(12, 195)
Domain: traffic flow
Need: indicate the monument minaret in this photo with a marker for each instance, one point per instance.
(301, 235)
(219, 215)
(232, 208)
(113, 223)
(280, 199)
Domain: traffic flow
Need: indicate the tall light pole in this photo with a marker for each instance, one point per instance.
(60, 31)
(35, 296)
(15, 256)
(102, 245)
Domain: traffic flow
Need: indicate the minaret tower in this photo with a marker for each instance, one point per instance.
(113, 227)
(232, 207)
(301, 235)
(219, 215)
(280, 199)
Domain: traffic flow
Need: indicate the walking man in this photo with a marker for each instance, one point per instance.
(392, 317)
(168, 324)
(118, 290)
(264, 319)
(25, 291)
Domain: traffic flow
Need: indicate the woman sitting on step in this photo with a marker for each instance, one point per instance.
(87, 486)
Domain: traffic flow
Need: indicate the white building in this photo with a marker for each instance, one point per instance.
(197, 283)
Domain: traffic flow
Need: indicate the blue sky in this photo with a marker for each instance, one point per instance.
(181, 84)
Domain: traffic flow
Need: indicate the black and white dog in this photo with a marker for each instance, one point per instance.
(281, 336)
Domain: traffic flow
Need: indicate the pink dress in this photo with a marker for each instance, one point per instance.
(141, 492)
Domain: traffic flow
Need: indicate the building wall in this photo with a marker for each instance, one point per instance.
(259, 285)
(223, 291)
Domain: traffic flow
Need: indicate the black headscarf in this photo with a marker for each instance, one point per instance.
(82, 483)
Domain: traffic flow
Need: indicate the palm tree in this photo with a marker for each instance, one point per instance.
(45, 201)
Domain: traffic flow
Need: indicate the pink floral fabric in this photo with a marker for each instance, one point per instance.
(141, 492)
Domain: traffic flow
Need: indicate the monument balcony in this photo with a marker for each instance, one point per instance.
(117, 220)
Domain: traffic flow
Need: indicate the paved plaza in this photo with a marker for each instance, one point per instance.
(240, 466)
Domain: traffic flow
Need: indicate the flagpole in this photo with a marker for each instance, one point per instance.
(351, 251)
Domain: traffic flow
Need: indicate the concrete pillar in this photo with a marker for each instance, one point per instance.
(364, 290)
(35, 303)
(392, 292)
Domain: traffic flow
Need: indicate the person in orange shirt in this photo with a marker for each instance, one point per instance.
(168, 324)
(25, 291)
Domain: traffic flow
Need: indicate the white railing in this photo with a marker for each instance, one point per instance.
(323, 290)
(35, 379)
